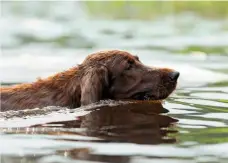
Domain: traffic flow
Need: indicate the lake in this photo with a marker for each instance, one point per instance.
(191, 125)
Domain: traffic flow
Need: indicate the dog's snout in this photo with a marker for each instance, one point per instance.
(174, 75)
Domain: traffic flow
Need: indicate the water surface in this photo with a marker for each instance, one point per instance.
(189, 126)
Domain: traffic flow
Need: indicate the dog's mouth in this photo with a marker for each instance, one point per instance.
(149, 96)
(144, 96)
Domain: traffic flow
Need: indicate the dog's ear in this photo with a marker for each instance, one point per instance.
(93, 83)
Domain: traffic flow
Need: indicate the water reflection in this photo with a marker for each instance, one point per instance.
(139, 122)
(135, 122)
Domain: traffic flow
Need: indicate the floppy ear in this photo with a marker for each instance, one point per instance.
(93, 84)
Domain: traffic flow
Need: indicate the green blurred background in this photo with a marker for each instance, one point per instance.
(152, 9)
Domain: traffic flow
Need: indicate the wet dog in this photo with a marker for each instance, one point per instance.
(113, 74)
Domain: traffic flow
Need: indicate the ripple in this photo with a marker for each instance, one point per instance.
(210, 95)
(196, 122)
(204, 102)
(213, 115)
(44, 146)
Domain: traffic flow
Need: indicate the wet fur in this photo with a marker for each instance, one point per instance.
(81, 85)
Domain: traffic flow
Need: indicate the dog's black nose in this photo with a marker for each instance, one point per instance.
(174, 75)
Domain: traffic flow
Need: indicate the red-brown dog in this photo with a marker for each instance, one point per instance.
(103, 75)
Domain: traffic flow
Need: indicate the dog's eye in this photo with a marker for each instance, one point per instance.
(129, 65)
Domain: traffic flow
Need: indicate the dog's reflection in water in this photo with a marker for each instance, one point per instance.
(136, 122)
(139, 122)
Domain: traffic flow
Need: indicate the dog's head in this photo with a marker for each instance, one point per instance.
(119, 75)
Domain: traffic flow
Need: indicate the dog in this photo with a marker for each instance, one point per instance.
(113, 74)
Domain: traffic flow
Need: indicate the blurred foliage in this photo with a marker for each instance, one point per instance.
(219, 84)
(207, 50)
(221, 50)
(75, 41)
(151, 9)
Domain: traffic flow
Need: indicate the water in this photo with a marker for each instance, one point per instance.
(189, 126)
